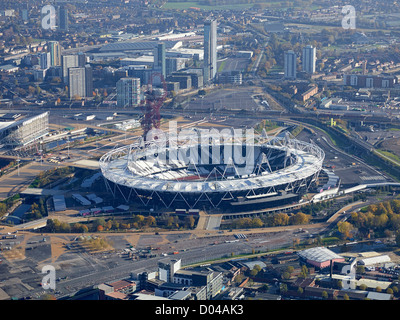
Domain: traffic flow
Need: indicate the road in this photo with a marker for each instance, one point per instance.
(256, 64)
(79, 268)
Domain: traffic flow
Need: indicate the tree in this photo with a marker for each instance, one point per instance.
(300, 290)
(190, 221)
(80, 228)
(257, 223)
(3, 208)
(299, 218)
(360, 269)
(138, 218)
(108, 225)
(304, 272)
(99, 222)
(285, 275)
(170, 222)
(253, 272)
(363, 286)
(283, 288)
(150, 221)
(257, 268)
(279, 219)
(345, 228)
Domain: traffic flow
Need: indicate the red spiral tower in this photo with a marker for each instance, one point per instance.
(152, 104)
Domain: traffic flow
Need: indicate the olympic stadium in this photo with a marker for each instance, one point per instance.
(213, 172)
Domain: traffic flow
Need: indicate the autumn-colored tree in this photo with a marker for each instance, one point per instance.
(299, 218)
(108, 225)
(257, 223)
(150, 221)
(79, 228)
(345, 228)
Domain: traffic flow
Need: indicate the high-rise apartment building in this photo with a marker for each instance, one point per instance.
(69, 61)
(290, 64)
(44, 60)
(159, 59)
(88, 81)
(128, 92)
(77, 83)
(62, 18)
(81, 59)
(309, 59)
(55, 53)
(210, 50)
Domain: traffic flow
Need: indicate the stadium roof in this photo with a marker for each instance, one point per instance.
(5, 125)
(143, 45)
(116, 170)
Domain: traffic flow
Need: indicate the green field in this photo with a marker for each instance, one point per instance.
(221, 66)
(390, 155)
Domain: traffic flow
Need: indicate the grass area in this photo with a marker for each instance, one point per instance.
(186, 5)
(268, 125)
(222, 66)
(390, 155)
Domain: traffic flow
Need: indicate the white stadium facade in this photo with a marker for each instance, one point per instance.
(234, 174)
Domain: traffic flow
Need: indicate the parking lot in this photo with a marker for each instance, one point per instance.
(227, 99)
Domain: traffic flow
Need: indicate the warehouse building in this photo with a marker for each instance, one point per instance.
(374, 260)
(320, 257)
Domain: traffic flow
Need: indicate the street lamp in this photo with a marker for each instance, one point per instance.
(68, 147)
(18, 160)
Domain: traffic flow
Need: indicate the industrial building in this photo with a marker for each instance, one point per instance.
(320, 257)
